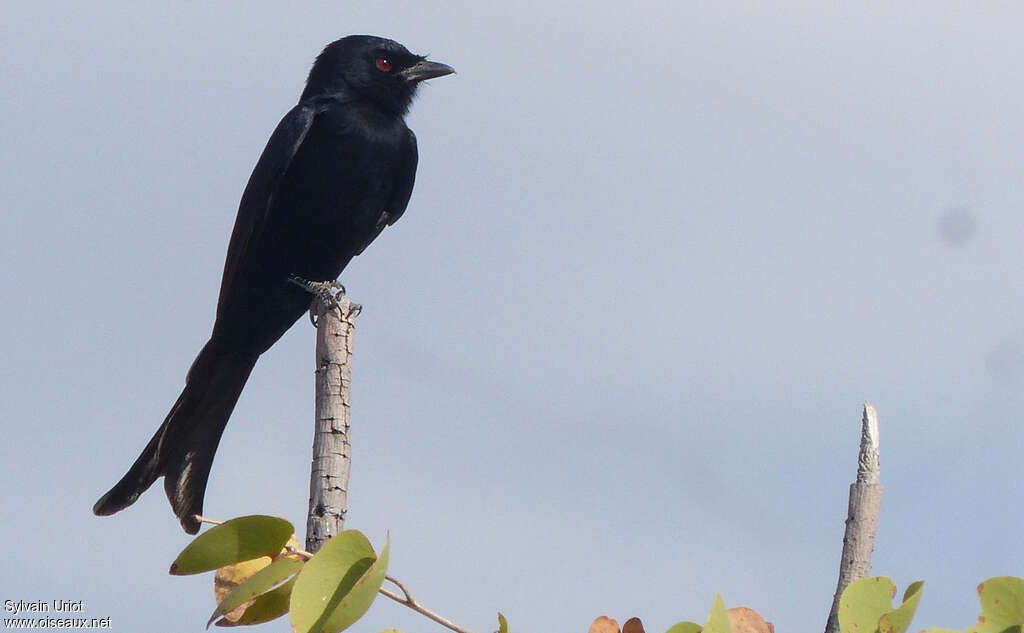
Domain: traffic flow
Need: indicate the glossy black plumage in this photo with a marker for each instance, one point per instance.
(338, 169)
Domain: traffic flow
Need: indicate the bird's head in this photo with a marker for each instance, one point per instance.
(378, 69)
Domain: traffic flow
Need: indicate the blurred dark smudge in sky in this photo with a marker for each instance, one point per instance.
(958, 225)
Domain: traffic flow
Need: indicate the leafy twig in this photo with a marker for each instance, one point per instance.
(407, 600)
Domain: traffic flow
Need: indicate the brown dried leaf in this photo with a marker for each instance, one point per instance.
(227, 578)
(746, 620)
(633, 625)
(604, 624)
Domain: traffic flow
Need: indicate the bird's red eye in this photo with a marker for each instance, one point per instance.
(383, 63)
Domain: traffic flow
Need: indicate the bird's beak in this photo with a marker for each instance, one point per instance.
(426, 70)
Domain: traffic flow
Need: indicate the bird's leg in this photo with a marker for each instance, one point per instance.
(326, 291)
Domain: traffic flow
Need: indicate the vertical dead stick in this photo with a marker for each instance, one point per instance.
(328, 477)
(862, 516)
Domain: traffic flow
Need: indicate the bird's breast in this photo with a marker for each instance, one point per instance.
(331, 199)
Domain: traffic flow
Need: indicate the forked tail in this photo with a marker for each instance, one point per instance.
(182, 449)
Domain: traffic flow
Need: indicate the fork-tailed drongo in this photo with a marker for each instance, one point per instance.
(337, 170)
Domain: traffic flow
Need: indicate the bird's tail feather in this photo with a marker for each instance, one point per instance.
(182, 449)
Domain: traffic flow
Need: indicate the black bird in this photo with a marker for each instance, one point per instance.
(338, 169)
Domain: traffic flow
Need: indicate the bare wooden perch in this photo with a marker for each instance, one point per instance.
(862, 515)
(332, 454)
(328, 477)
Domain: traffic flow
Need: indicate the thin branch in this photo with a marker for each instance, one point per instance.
(202, 519)
(419, 608)
(300, 552)
(395, 582)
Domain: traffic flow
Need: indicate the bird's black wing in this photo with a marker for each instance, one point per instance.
(407, 176)
(259, 192)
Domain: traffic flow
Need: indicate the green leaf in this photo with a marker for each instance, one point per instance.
(502, 623)
(685, 627)
(718, 619)
(898, 621)
(259, 583)
(863, 603)
(265, 608)
(1002, 606)
(235, 541)
(338, 585)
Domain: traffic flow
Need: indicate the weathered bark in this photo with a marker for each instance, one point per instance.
(328, 478)
(862, 514)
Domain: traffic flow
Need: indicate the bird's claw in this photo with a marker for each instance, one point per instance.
(327, 292)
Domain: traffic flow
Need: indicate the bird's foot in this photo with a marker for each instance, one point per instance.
(328, 292)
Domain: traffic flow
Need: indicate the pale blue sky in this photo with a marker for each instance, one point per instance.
(612, 358)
